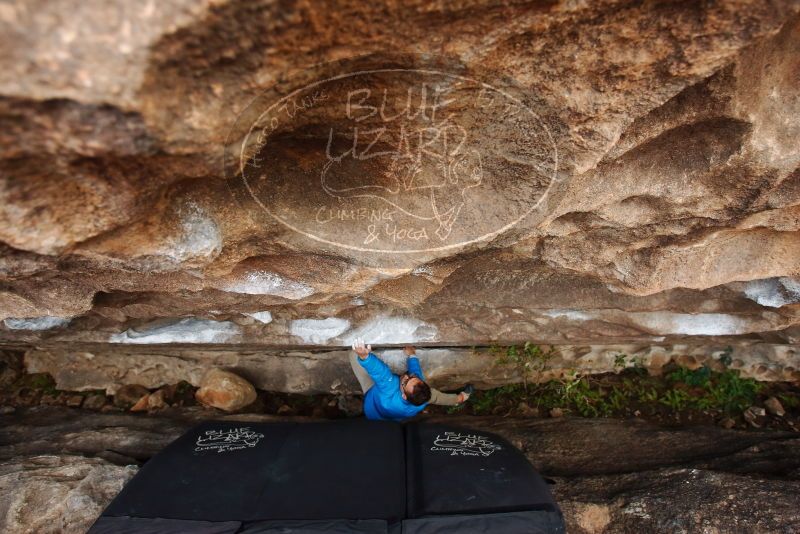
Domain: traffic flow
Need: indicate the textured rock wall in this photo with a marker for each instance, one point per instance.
(611, 475)
(57, 493)
(656, 141)
(316, 371)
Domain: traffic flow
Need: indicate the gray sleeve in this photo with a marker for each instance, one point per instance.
(445, 399)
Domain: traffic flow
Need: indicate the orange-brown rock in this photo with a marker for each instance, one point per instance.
(225, 390)
(606, 172)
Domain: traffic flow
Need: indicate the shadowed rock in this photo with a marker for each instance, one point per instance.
(611, 475)
(657, 143)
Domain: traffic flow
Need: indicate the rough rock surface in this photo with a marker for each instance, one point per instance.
(129, 394)
(329, 371)
(611, 475)
(57, 493)
(682, 500)
(223, 390)
(657, 142)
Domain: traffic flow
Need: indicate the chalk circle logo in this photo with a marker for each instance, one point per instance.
(392, 160)
(458, 444)
(227, 440)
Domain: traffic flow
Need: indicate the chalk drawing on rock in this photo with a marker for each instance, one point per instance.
(395, 161)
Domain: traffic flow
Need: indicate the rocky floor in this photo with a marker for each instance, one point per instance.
(640, 467)
(60, 466)
(663, 400)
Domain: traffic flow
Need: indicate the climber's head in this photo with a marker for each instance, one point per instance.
(414, 389)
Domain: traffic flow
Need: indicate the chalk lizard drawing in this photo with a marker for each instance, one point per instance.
(444, 175)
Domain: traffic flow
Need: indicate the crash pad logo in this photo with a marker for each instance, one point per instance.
(393, 160)
(458, 444)
(227, 440)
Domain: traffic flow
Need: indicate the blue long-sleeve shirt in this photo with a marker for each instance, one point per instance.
(384, 400)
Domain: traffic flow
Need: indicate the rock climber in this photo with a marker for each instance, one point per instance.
(388, 396)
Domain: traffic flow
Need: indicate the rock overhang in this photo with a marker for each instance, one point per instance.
(673, 210)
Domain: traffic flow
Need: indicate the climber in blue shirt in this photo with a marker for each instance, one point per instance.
(388, 396)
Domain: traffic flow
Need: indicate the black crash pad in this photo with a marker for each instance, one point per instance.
(342, 476)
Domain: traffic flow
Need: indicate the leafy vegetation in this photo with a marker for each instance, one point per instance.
(698, 377)
(621, 361)
(789, 401)
(40, 381)
(675, 399)
(701, 389)
(526, 360)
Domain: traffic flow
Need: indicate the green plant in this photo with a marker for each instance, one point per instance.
(455, 409)
(698, 377)
(588, 401)
(548, 395)
(620, 360)
(483, 402)
(587, 396)
(675, 399)
(637, 367)
(618, 398)
(42, 381)
(789, 401)
(528, 359)
(726, 391)
(731, 393)
(648, 395)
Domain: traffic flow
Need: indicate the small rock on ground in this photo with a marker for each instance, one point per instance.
(74, 401)
(94, 402)
(350, 406)
(774, 406)
(129, 394)
(225, 390)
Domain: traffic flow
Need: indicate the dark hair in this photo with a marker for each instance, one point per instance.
(420, 394)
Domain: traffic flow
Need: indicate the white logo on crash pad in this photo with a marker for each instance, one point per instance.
(458, 444)
(227, 440)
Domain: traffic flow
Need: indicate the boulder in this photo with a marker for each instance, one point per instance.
(8, 376)
(678, 500)
(155, 401)
(11, 368)
(58, 493)
(774, 407)
(150, 402)
(225, 390)
(141, 405)
(129, 394)
(643, 184)
(74, 401)
(95, 402)
(349, 405)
